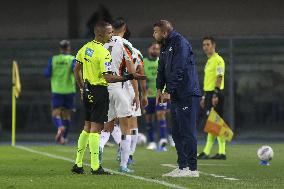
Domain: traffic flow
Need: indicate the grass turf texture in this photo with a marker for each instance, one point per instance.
(23, 169)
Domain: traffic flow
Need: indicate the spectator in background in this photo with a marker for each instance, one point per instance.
(63, 88)
(154, 112)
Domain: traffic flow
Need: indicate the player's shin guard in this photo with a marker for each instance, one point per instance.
(134, 140)
(94, 143)
(209, 143)
(82, 145)
(116, 134)
(222, 145)
(125, 149)
(163, 128)
(67, 124)
(150, 131)
(104, 139)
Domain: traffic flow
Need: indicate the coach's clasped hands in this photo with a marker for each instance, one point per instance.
(162, 97)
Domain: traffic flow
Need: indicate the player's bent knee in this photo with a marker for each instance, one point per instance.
(66, 114)
(56, 112)
(161, 115)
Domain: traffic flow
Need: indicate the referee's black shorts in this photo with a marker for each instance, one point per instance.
(96, 102)
(208, 103)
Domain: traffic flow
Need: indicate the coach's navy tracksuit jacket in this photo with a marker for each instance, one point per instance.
(177, 71)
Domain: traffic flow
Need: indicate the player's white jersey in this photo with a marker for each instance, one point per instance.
(121, 51)
(137, 58)
(138, 61)
(120, 99)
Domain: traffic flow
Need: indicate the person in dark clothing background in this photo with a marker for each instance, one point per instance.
(177, 80)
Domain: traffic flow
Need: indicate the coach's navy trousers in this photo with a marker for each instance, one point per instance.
(184, 116)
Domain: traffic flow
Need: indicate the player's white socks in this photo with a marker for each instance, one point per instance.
(104, 138)
(125, 149)
(116, 134)
(134, 140)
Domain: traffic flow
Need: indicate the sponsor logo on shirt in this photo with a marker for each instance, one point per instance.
(89, 52)
(185, 108)
(108, 66)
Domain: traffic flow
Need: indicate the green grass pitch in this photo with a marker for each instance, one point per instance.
(49, 167)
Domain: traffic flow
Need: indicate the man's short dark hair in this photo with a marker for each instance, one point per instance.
(118, 23)
(101, 25)
(165, 25)
(210, 38)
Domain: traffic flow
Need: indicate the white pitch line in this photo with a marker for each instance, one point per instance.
(214, 164)
(207, 174)
(160, 182)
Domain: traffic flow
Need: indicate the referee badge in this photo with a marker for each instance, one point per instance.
(220, 70)
(89, 52)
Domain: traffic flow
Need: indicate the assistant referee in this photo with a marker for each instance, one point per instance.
(93, 72)
(213, 87)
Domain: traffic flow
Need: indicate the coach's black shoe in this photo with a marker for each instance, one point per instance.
(219, 157)
(100, 171)
(77, 170)
(202, 155)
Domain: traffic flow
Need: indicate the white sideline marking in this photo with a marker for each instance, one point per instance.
(160, 182)
(208, 174)
(213, 164)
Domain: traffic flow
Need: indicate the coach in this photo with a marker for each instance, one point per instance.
(178, 75)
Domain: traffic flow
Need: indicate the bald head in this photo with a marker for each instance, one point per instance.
(162, 29)
(164, 25)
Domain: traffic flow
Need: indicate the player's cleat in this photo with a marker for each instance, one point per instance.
(130, 160)
(202, 155)
(194, 173)
(77, 170)
(163, 142)
(264, 163)
(152, 146)
(162, 145)
(171, 141)
(162, 149)
(100, 171)
(125, 170)
(185, 172)
(219, 157)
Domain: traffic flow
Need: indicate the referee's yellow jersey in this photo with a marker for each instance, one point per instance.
(215, 67)
(96, 61)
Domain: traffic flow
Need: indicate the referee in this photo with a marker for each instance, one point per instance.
(214, 73)
(93, 72)
(177, 72)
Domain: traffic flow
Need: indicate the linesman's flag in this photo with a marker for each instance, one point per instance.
(217, 126)
(16, 80)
